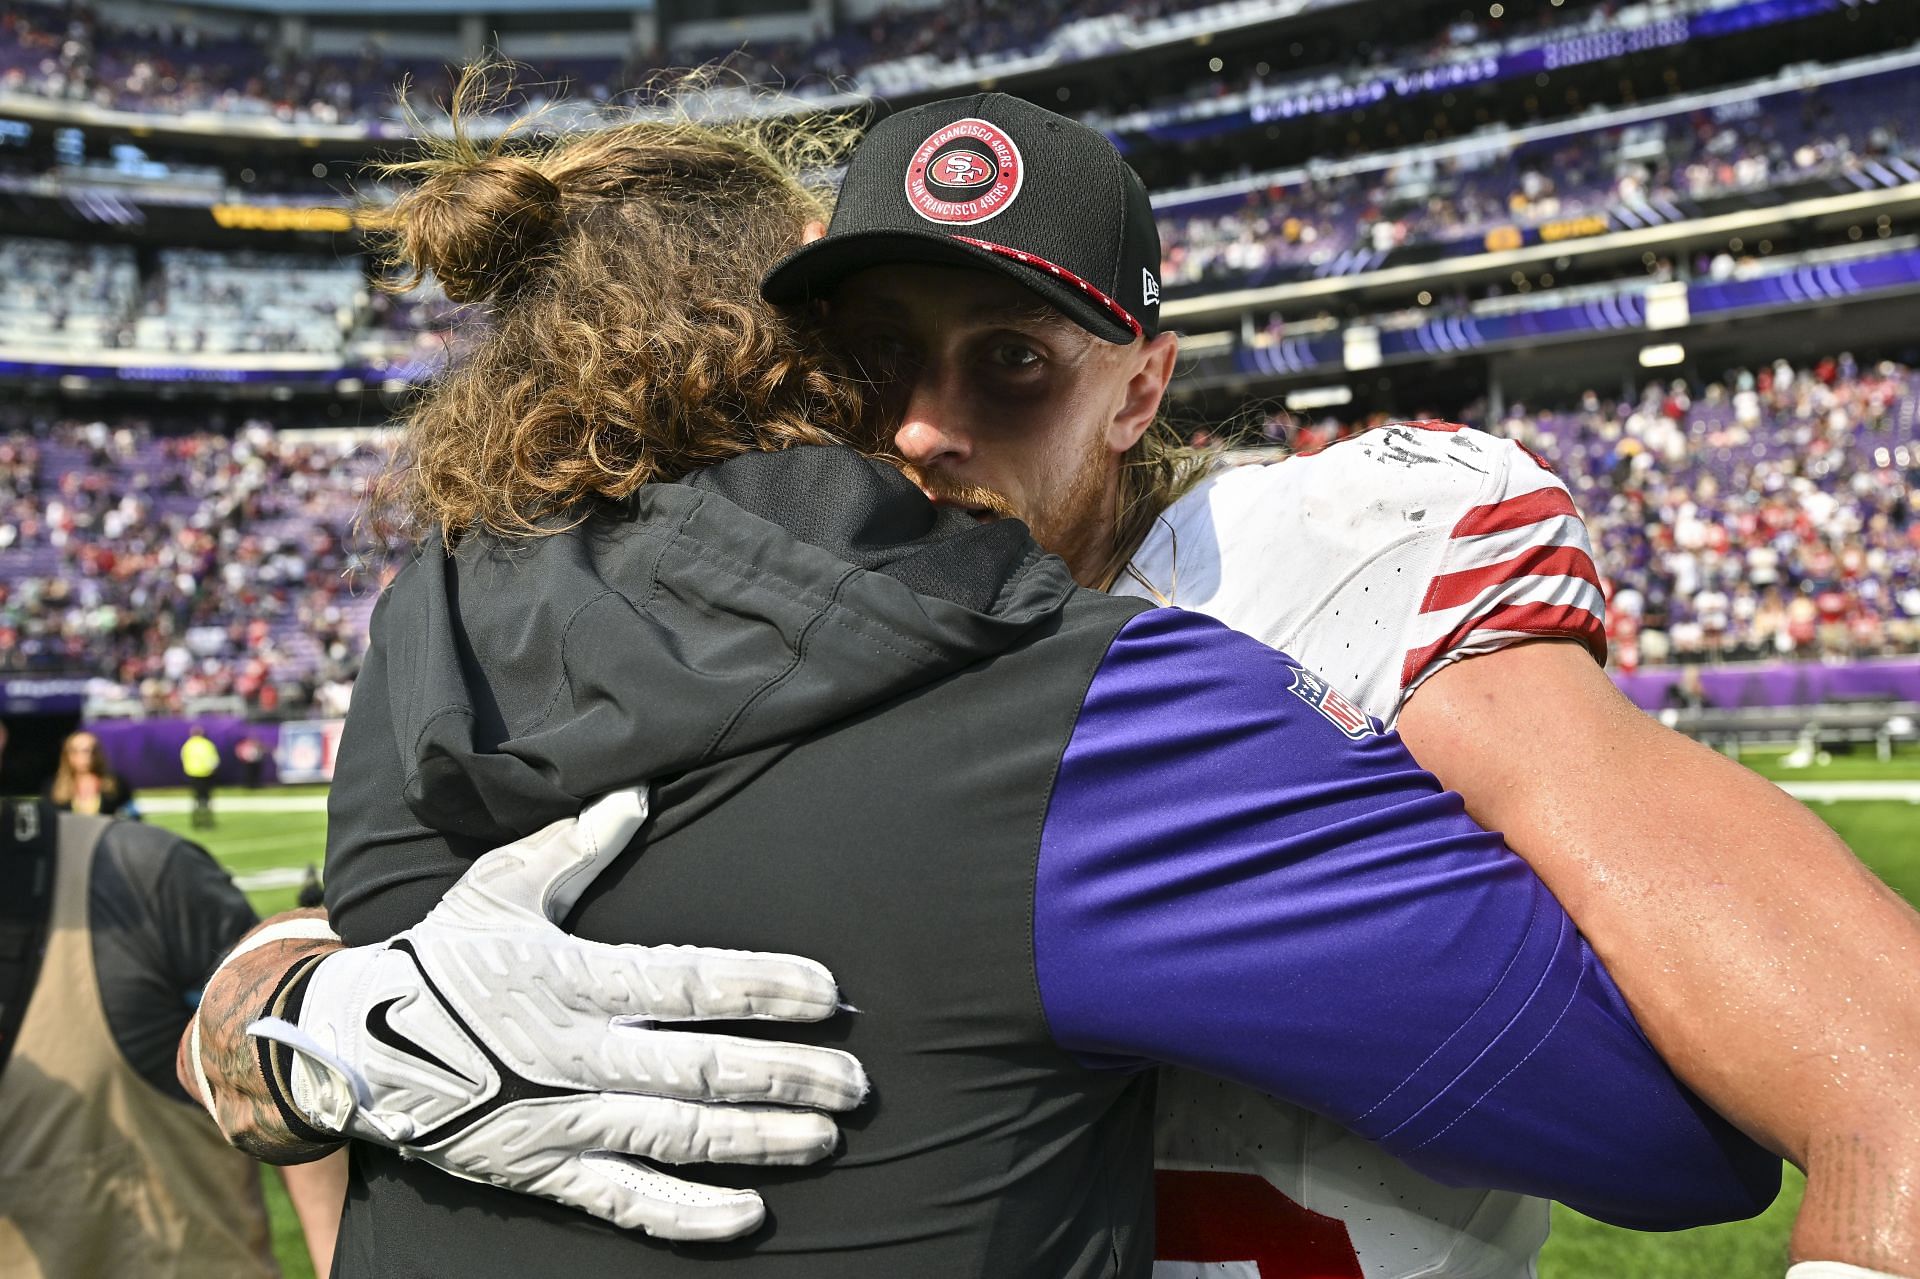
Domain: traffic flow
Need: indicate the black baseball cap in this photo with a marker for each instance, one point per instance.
(994, 182)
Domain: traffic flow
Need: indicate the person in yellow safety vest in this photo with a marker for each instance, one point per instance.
(200, 760)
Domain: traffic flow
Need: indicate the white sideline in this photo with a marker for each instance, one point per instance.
(236, 804)
(279, 877)
(1845, 792)
(1805, 792)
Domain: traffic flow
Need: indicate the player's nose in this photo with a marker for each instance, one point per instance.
(932, 426)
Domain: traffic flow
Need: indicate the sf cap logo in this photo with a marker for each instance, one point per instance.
(964, 173)
(963, 170)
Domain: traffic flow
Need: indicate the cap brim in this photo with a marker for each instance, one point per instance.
(817, 270)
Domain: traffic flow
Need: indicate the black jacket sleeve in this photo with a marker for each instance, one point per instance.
(385, 869)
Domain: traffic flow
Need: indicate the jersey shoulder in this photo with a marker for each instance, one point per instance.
(1349, 501)
(1374, 561)
(1416, 472)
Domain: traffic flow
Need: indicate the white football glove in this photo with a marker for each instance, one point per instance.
(491, 1044)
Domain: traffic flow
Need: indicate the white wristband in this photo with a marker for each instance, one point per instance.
(307, 928)
(1834, 1270)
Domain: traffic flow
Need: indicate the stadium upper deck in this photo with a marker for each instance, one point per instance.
(1131, 67)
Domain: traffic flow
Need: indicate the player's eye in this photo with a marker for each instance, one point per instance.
(1014, 355)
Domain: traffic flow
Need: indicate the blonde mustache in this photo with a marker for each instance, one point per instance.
(966, 496)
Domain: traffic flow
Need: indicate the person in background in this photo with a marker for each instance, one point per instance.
(200, 760)
(84, 783)
(252, 756)
(312, 892)
(106, 1167)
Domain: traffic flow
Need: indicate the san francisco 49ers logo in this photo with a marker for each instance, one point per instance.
(964, 173)
(964, 169)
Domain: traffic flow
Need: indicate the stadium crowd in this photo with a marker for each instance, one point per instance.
(1840, 129)
(184, 567)
(1769, 515)
(69, 52)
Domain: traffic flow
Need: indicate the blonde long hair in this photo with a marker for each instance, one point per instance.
(617, 335)
(66, 779)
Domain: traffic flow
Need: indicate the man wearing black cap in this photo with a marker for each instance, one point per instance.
(1383, 564)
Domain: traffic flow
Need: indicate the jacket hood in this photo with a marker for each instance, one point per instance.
(751, 604)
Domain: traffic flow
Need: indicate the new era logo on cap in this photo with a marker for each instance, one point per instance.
(993, 183)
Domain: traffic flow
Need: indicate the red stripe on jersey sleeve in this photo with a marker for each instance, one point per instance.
(1549, 621)
(1451, 590)
(1215, 1217)
(1516, 512)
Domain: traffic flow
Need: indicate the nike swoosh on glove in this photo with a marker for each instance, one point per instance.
(489, 1043)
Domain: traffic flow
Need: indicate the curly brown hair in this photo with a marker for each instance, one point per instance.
(618, 336)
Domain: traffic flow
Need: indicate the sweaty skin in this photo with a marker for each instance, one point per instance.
(1774, 972)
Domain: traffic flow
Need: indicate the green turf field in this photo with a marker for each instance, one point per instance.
(266, 850)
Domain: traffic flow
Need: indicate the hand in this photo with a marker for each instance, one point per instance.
(491, 1044)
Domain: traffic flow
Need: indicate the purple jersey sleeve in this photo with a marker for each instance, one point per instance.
(1240, 875)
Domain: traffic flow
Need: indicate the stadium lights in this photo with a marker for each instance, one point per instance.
(1668, 306)
(1362, 347)
(1662, 355)
(1319, 397)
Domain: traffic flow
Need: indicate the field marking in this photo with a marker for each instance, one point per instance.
(262, 880)
(313, 839)
(237, 804)
(1806, 792)
(1850, 792)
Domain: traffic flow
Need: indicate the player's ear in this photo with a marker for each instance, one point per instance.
(1152, 368)
(813, 230)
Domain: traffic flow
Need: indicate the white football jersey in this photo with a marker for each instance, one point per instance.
(1373, 563)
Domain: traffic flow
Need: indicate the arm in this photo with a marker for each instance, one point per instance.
(318, 1191)
(1237, 878)
(236, 995)
(1776, 974)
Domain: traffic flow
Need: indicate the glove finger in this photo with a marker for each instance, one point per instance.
(697, 983)
(545, 873)
(633, 1196)
(723, 1068)
(686, 1132)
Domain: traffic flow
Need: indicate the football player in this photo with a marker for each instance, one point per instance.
(1439, 579)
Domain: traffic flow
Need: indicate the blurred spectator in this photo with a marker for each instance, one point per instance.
(186, 569)
(1770, 514)
(84, 783)
(312, 892)
(253, 758)
(76, 54)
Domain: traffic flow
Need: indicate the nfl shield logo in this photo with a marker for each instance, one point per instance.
(1339, 712)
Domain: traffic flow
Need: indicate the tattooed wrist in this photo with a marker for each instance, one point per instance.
(238, 994)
